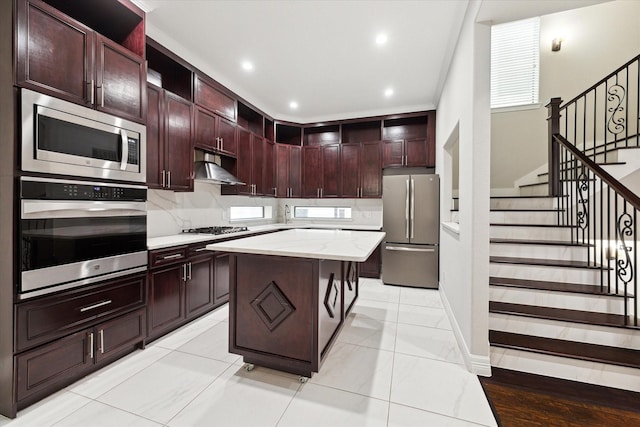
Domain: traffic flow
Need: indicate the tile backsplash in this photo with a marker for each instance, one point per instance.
(170, 212)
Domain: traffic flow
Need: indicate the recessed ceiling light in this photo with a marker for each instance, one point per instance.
(381, 39)
(247, 66)
(293, 105)
(388, 92)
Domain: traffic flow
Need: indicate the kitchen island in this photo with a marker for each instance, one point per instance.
(290, 292)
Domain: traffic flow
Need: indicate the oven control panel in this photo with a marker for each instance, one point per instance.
(72, 190)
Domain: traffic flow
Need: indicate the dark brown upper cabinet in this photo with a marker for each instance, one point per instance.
(288, 134)
(70, 51)
(321, 135)
(169, 141)
(361, 170)
(409, 141)
(288, 168)
(214, 133)
(208, 95)
(321, 171)
(251, 166)
(268, 173)
(311, 172)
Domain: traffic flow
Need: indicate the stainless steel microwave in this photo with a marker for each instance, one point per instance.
(59, 137)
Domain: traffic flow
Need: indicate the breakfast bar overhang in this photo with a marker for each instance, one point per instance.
(290, 293)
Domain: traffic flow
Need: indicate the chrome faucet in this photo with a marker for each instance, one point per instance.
(287, 213)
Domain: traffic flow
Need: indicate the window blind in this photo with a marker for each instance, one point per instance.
(515, 63)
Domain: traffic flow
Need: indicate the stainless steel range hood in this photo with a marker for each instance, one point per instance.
(208, 170)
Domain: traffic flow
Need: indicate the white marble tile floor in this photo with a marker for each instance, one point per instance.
(396, 363)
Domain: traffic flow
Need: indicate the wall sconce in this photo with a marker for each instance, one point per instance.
(556, 44)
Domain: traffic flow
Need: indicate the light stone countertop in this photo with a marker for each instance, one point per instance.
(340, 245)
(186, 239)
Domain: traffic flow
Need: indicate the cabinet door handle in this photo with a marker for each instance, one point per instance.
(189, 276)
(184, 272)
(221, 142)
(321, 192)
(102, 96)
(163, 178)
(92, 92)
(174, 256)
(168, 179)
(101, 343)
(91, 307)
(91, 345)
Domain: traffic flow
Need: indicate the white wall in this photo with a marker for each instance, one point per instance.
(464, 260)
(170, 212)
(597, 40)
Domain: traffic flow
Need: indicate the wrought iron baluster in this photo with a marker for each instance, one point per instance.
(625, 268)
(635, 263)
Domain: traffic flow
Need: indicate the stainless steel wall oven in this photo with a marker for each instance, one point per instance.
(73, 233)
(59, 137)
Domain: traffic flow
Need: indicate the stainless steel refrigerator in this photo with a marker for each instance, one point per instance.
(411, 220)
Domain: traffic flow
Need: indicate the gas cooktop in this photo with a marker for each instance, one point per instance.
(215, 230)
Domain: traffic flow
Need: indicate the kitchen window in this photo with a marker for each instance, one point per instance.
(239, 213)
(317, 212)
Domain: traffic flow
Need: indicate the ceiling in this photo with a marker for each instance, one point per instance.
(323, 54)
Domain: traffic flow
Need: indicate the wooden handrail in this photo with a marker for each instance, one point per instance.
(616, 185)
(613, 73)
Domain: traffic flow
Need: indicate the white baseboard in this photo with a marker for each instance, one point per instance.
(475, 363)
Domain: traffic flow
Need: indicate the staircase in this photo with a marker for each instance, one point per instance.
(564, 269)
(548, 314)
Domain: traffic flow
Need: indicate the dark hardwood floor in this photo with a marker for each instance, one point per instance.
(521, 400)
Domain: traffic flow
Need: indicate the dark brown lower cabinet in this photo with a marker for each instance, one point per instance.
(63, 336)
(118, 335)
(47, 368)
(53, 365)
(371, 267)
(199, 292)
(182, 287)
(221, 285)
(166, 298)
(285, 313)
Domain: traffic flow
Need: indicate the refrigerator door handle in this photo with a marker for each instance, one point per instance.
(413, 206)
(405, 249)
(406, 212)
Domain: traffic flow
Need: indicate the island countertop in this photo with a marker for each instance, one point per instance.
(340, 245)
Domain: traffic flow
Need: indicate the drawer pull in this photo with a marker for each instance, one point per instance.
(91, 307)
(91, 345)
(172, 256)
(200, 249)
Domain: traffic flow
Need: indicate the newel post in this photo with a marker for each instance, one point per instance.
(553, 124)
